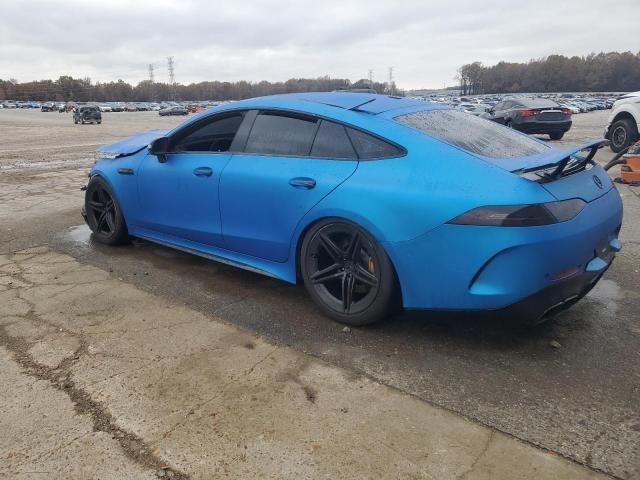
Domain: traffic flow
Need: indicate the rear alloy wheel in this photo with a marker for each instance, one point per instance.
(556, 135)
(622, 134)
(103, 214)
(347, 273)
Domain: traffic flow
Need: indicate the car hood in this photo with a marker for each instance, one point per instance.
(551, 157)
(134, 143)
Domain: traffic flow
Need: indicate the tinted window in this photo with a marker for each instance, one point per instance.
(281, 134)
(538, 103)
(474, 134)
(332, 142)
(214, 136)
(369, 147)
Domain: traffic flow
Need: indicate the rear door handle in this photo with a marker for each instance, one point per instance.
(302, 182)
(203, 172)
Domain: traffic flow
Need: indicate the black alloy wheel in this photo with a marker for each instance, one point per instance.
(103, 214)
(623, 133)
(347, 273)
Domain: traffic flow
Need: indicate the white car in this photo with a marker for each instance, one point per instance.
(105, 108)
(623, 124)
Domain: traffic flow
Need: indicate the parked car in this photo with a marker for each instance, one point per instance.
(175, 110)
(623, 124)
(48, 107)
(87, 114)
(105, 108)
(129, 107)
(532, 115)
(366, 210)
(117, 107)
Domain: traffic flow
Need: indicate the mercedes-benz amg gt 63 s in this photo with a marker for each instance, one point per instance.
(373, 202)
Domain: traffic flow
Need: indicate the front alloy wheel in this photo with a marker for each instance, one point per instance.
(347, 273)
(103, 213)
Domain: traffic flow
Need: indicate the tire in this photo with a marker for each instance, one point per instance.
(508, 124)
(75, 121)
(622, 133)
(556, 135)
(103, 214)
(347, 273)
(99, 122)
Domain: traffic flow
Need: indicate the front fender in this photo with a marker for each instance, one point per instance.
(124, 187)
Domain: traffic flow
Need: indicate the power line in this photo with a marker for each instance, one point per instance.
(172, 77)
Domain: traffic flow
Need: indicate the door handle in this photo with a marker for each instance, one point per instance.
(302, 182)
(203, 172)
(125, 171)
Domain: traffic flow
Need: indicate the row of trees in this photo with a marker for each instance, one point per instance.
(67, 88)
(602, 72)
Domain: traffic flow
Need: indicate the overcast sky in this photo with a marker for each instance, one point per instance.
(425, 41)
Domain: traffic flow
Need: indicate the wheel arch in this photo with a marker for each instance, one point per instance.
(357, 220)
(625, 115)
(102, 175)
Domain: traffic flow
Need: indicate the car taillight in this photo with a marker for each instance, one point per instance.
(521, 215)
(566, 111)
(528, 113)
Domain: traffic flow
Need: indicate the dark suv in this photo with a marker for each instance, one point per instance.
(532, 115)
(87, 113)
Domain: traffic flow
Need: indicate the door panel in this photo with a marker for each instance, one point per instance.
(180, 196)
(264, 197)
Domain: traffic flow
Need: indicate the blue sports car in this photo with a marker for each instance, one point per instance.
(374, 202)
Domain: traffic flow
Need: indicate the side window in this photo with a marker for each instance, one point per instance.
(332, 142)
(499, 106)
(215, 136)
(280, 133)
(369, 147)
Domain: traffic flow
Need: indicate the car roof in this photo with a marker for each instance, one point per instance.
(533, 102)
(374, 104)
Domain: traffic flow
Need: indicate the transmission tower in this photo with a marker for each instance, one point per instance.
(151, 74)
(370, 78)
(392, 86)
(172, 78)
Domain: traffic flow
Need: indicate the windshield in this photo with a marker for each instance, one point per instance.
(473, 134)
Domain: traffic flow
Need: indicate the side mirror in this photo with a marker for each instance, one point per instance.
(489, 110)
(160, 147)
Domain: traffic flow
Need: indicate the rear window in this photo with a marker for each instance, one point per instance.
(332, 142)
(372, 148)
(473, 134)
(275, 133)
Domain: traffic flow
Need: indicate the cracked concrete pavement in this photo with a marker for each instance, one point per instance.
(104, 380)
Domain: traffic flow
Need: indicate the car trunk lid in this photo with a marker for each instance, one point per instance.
(565, 174)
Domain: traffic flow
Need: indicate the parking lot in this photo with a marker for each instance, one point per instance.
(148, 362)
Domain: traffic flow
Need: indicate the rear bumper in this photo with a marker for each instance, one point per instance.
(461, 267)
(554, 298)
(537, 126)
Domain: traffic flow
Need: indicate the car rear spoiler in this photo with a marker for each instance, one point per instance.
(553, 157)
(563, 162)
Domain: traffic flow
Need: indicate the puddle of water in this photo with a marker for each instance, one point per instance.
(80, 236)
(607, 292)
